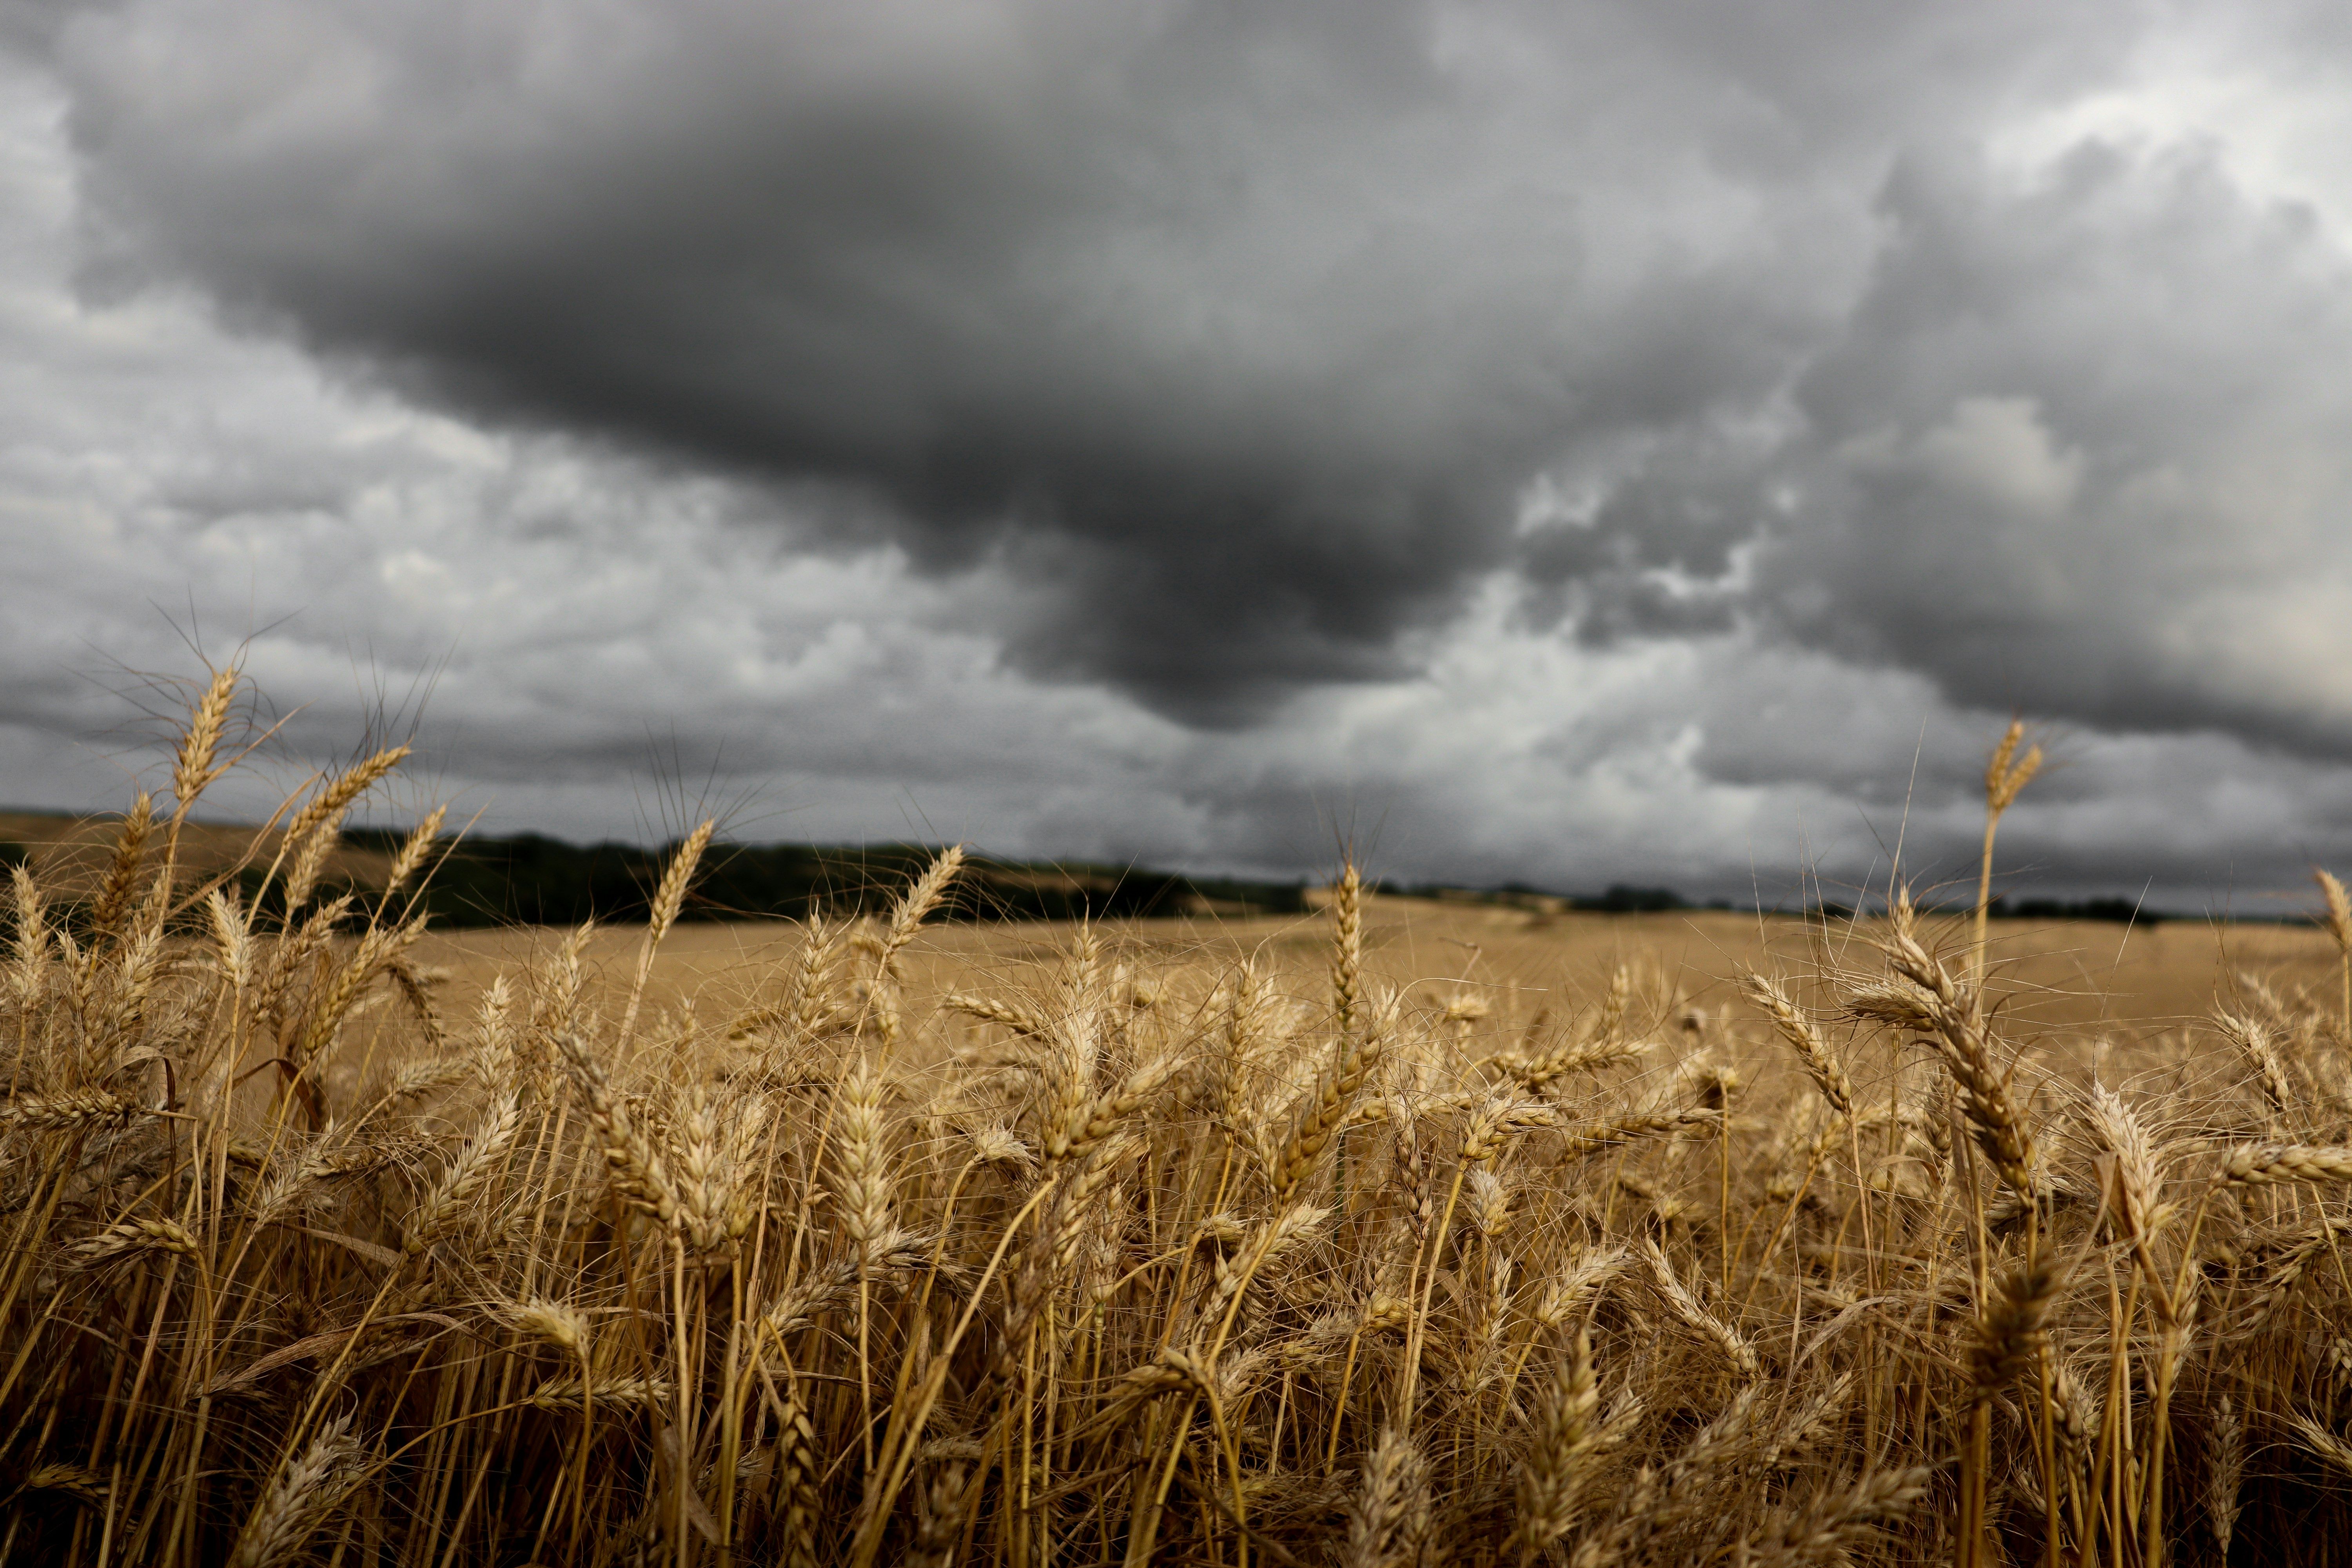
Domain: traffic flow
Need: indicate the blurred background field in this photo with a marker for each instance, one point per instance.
(2133, 984)
(1505, 956)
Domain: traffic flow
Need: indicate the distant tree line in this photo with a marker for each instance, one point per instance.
(2120, 911)
(529, 879)
(532, 879)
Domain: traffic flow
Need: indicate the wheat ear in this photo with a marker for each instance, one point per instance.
(114, 890)
(1536, 1074)
(1685, 1306)
(312, 832)
(130, 1237)
(2225, 1468)
(1389, 1515)
(2252, 1166)
(861, 1177)
(2005, 775)
(196, 764)
(2253, 1040)
(2339, 926)
(669, 898)
(468, 1173)
(921, 899)
(1836, 1521)
(1319, 1116)
(1347, 945)
(1813, 1053)
(298, 1498)
(637, 1170)
(2008, 1332)
(1965, 1044)
(58, 1112)
(1561, 1441)
(414, 849)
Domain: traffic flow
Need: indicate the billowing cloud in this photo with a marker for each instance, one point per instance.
(2083, 449)
(1239, 329)
(1589, 440)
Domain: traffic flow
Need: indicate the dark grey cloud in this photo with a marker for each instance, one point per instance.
(1577, 442)
(2081, 448)
(1240, 327)
(1241, 333)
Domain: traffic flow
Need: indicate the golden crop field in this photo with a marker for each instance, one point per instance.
(2076, 976)
(1407, 1233)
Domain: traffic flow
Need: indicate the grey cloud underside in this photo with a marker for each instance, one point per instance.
(1241, 330)
(2081, 448)
(1212, 352)
(1705, 660)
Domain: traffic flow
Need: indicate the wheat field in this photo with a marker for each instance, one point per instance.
(1408, 1234)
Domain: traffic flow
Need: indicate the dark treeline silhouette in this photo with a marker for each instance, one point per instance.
(532, 879)
(529, 879)
(2119, 910)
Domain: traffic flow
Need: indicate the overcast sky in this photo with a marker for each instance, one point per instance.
(1566, 442)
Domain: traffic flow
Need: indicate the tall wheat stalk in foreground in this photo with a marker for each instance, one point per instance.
(2006, 776)
(305, 1261)
(2339, 923)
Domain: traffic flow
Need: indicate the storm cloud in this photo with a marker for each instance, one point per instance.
(1242, 328)
(1671, 434)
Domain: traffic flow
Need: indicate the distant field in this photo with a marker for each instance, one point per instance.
(2068, 977)
(70, 852)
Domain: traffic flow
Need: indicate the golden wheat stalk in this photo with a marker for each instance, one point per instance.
(1347, 946)
(637, 1170)
(2253, 1040)
(1562, 1436)
(2008, 1342)
(468, 1174)
(1387, 1519)
(2009, 1330)
(669, 899)
(2255, 1165)
(114, 890)
(1319, 1116)
(1601, 1136)
(1088, 1125)
(1536, 1074)
(2224, 1473)
(1839, 1518)
(82, 1112)
(2117, 1131)
(196, 765)
(920, 901)
(2339, 923)
(84, 1485)
(410, 857)
(311, 833)
(1496, 1123)
(861, 1169)
(1965, 1043)
(336, 793)
(300, 1498)
(1820, 1064)
(1018, 1019)
(554, 1323)
(132, 1236)
(1272, 1239)
(2006, 773)
(31, 953)
(1678, 1300)
(575, 1394)
(378, 946)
